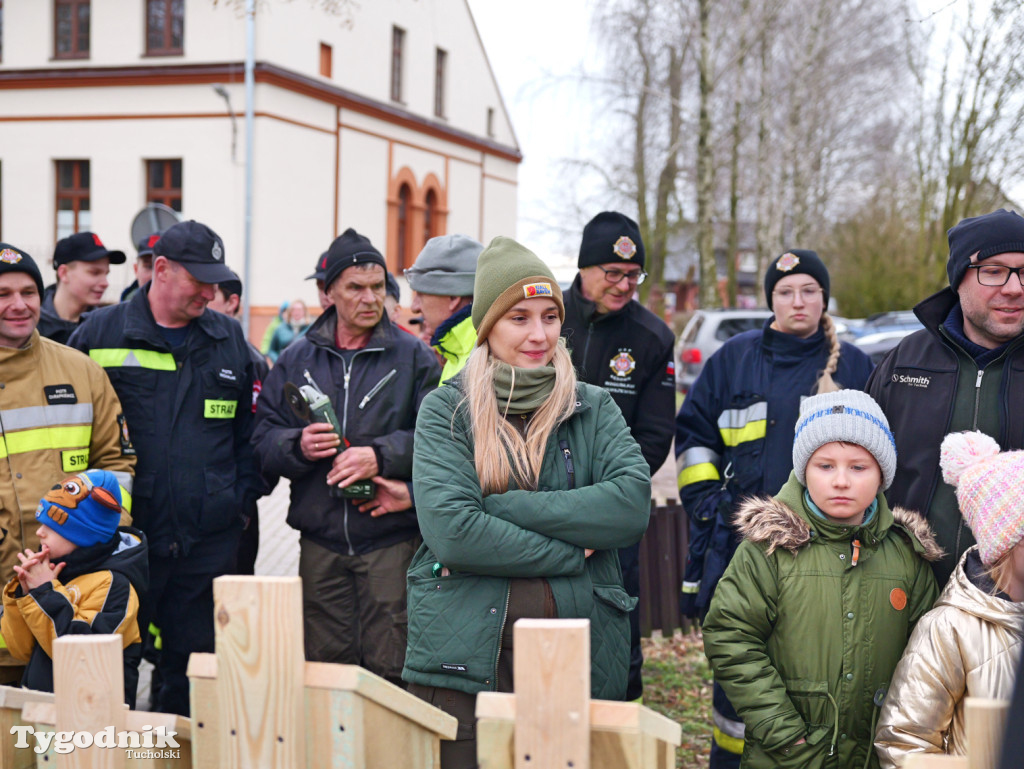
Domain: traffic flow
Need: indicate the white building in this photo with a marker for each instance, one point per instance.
(382, 115)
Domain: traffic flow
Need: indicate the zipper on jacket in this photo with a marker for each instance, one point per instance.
(376, 388)
(501, 633)
(346, 367)
(974, 423)
(570, 471)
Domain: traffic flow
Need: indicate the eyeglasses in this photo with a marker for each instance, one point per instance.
(996, 274)
(786, 295)
(635, 277)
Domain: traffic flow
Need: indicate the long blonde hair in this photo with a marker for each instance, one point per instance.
(825, 383)
(501, 454)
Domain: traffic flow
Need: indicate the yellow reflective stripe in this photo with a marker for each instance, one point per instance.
(752, 431)
(74, 460)
(691, 588)
(126, 500)
(695, 473)
(44, 438)
(214, 409)
(114, 357)
(3, 643)
(725, 742)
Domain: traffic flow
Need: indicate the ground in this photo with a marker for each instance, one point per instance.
(677, 683)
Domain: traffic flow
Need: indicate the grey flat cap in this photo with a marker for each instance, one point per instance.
(446, 266)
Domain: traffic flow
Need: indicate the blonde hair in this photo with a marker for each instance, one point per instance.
(825, 383)
(501, 454)
(1001, 573)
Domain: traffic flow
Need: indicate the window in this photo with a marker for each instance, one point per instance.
(325, 60)
(490, 122)
(440, 61)
(165, 27)
(430, 219)
(397, 44)
(71, 29)
(404, 200)
(1, 30)
(73, 214)
(163, 183)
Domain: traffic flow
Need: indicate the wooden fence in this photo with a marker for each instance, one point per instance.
(662, 559)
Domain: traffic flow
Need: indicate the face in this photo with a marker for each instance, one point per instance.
(186, 298)
(358, 296)
(843, 479)
(59, 546)
(86, 282)
(144, 269)
(297, 312)
(527, 335)
(609, 296)
(19, 308)
(227, 305)
(993, 315)
(435, 310)
(798, 302)
(391, 307)
(325, 301)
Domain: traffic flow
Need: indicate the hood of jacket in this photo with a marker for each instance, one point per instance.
(126, 553)
(961, 593)
(783, 522)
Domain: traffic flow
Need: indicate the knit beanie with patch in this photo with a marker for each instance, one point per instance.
(84, 509)
(848, 416)
(611, 237)
(13, 259)
(506, 273)
(989, 489)
(999, 232)
(796, 261)
(446, 266)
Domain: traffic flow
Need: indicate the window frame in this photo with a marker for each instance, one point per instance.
(167, 48)
(397, 62)
(440, 78)
(166, 194)
(75, 52)
(326, 60)
(76, 193)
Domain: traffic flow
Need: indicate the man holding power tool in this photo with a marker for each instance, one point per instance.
(354, 554)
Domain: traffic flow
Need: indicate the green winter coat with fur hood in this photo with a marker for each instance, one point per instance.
(594, 492)
(806, 627)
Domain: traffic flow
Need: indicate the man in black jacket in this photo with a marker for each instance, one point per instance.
(963, 371)
(620, 345)
(352, 562)
(185, 380)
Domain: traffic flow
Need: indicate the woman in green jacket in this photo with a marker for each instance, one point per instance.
(816, 607)
(526, 484)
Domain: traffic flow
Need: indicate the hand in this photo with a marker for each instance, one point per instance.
(36, 569)
(801, 741)
(587, 552)
(353, 464)
(318, 441)
(392, 497)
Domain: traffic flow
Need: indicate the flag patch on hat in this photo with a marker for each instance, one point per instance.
(10, 256)
(787, 262)
(625, 247)
(537, 289)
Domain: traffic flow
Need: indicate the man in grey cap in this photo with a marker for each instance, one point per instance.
(442, 292)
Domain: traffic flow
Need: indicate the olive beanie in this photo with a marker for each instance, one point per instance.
(505, 273)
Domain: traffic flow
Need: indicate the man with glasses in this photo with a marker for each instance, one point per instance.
(734, 434)
(963, 371)
(620, 345)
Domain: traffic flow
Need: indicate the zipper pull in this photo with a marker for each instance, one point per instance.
(856, 552)
(981, 373)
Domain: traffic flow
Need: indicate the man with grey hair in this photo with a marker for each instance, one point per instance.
(442, 292)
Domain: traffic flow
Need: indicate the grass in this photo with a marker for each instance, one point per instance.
(677, 684)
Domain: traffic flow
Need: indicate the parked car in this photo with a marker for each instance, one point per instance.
(881, 332)
(706, 331)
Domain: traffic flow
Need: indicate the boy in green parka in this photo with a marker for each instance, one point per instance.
(814, 610)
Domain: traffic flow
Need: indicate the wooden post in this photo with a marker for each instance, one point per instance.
(552, 684)
(260, 666)
(12, 700)
(88, 677)
(986, 721)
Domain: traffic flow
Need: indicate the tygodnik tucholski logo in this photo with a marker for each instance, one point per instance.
(151, 742)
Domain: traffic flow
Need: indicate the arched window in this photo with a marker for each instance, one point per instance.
(430, 216)
(404, 199)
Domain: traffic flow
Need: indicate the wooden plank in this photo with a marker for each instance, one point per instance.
(335, 738)
(12, 700)
(392, 740)
(88, 686)
(986, 722)
(202, 674)
(682, 522)
(668, 571)
(934, 761)
(552, 686)
(648, 579)
(260, 665)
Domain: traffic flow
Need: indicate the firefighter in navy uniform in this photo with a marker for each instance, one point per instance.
(620, 345)
(185, 379)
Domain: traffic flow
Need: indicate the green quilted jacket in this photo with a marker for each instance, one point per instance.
(594, 492)
(804, 636)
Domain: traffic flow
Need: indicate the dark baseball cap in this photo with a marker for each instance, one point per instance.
(233, 286)
(197, 248)
(320, 273)
(84, 247)
(145, 245)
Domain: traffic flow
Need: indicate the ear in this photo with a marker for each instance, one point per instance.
(105, 498)
(453, 303)
(233, 301)
(62, 272)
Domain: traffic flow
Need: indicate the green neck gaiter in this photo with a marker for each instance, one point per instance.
(532, 387)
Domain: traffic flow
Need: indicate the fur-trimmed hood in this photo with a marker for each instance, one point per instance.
(767, 520)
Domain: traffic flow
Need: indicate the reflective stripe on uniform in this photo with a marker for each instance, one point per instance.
(45, 416)
(112, 357)
(45, 438)
(727, 743)
(697, 464)
(742, 425)
(39, 428)
(728, 734)
(691, 587)
(126, 480)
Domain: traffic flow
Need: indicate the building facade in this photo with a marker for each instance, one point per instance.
(383, 116)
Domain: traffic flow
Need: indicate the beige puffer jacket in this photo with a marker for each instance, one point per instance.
(968, 645)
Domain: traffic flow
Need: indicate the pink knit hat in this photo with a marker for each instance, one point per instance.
(989, 488)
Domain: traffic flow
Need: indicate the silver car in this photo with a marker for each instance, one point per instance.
(706, 331)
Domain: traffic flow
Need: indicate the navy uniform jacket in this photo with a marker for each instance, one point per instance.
(191, 419)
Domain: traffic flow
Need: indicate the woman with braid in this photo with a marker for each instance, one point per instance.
(734, 433)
